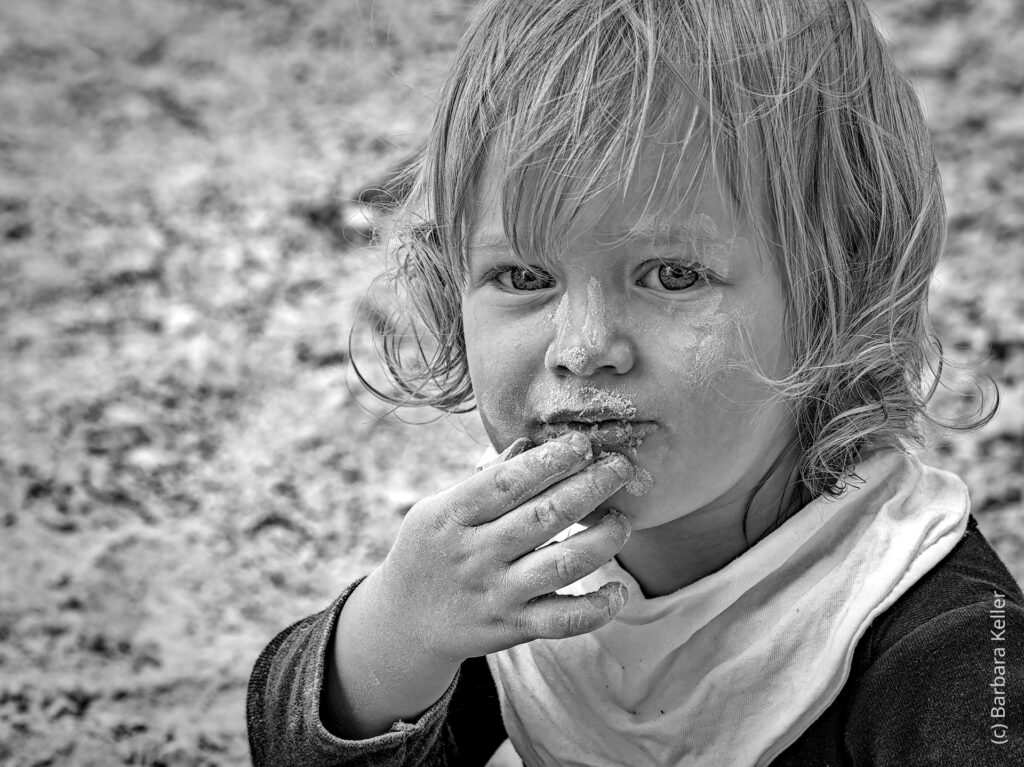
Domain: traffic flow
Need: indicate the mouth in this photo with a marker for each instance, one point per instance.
(609, 434)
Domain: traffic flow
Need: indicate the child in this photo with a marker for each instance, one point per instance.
(677, 253)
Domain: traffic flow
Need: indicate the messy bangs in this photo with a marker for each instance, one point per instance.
(576, 93)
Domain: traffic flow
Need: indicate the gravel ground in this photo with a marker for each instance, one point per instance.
(186, 462)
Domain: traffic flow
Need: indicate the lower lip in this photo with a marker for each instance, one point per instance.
(608, 434)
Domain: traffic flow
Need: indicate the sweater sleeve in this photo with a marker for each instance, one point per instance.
(283, 710)
(951, 692)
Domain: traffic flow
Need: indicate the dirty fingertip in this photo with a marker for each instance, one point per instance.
(617, 595)
(621, 519)
(518, 447)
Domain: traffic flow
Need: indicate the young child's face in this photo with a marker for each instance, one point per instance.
(632, 334)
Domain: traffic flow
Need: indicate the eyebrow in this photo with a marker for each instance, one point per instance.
(656, 229)
(490, 242)
(697, 226)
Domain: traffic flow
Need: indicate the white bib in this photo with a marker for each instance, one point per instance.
(733, 668)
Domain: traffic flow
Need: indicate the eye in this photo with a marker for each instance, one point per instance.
(670, 275)
(521, 278)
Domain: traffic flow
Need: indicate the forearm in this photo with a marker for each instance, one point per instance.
(377, 671)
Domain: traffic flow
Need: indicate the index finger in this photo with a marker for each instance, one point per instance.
(499, 488)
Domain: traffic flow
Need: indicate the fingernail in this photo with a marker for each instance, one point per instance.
(618, 463)
(621, 518)
(611, 596)
(580, 444)
(518, 447)
(618, 594)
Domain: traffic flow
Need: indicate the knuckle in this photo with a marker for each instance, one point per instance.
(506, 539)
(520, 626)
(435, 523)
(491, 611)
(418, 511)
(595, 483)
(570, 565)
(501, 591)
(454, 515)
(547, 514)
(570, 622)
(441, 510)
(507, 480)
(424, 519)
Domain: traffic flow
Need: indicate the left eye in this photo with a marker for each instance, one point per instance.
(670, 276)
(521, 278)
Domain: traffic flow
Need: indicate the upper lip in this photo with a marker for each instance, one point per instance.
(589, 415)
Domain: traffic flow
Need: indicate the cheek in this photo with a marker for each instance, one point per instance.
(690, 344)
(741, 413)
(705, 370)
(500, 370)
(738, 339)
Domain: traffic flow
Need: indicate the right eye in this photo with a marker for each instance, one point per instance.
(521, 278)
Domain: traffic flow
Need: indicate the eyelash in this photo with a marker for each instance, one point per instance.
(494, 272)
(702, 273)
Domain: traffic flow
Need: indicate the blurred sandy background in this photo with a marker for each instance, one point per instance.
(186, 465)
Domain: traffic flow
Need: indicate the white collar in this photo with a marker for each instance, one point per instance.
(731, 669)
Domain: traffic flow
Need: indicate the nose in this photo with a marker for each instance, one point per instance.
(587, 339)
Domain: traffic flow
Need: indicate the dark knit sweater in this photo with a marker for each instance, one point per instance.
(924, 688)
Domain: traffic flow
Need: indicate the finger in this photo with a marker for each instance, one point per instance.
(557, 616)
(495, 490)
(516, 448)
(556, 566)
(561, 505)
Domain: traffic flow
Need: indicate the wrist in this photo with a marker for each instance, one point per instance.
(407, 630)
(378, 672)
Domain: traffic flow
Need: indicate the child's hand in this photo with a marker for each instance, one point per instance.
(465, 573)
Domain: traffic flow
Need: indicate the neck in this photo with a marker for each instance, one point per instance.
(666, 558)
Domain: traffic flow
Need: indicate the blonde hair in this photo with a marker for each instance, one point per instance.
(797, 108)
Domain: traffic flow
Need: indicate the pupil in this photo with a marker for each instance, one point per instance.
(524, 279)
(676, 276)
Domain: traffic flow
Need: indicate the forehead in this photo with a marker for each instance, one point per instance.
(666, 198)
